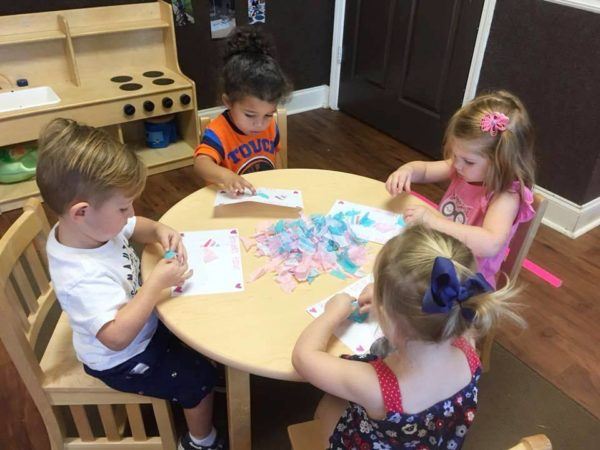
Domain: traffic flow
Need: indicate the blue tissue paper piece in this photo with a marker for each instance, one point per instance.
(365, 221)
(350, 214)
(356, 316)
(338, 274)
(170, 254)
(279, 226)
(337, 227)
(332, 246)
(346, 263)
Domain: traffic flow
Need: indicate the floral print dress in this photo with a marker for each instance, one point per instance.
(441, 426)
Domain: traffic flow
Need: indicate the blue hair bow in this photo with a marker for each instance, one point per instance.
(446, 289)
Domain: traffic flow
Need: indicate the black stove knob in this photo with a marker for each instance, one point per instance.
(148, 106)
(185, 99)
(167, 102)
(129, 109)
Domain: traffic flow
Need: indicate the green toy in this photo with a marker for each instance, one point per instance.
(17, 163)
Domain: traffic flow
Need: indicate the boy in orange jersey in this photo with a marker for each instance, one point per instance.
(245, 138)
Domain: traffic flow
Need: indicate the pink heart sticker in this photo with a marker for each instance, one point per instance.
(238, 286)
(179, 289)
(313, 309)
(340, 202)
(295, 192)
(233, 232)
(360, 348)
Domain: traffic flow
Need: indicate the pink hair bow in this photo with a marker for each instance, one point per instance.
(494, 122)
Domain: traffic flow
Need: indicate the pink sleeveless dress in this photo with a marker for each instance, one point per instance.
(468, 203)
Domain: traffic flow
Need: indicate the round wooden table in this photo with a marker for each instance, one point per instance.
(254, 331)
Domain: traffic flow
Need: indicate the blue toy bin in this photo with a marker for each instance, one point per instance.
(161, 131)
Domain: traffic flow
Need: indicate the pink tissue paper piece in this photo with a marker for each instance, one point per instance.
(209, 255)
(385, 227)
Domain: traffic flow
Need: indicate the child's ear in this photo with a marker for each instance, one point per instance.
(78, 211)
(226, 101)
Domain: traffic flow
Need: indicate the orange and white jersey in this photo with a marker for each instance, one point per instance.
(241, 153)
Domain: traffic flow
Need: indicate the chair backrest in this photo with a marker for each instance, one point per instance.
(204, 121)
(522, 240)
(281, 119)
(26, 295)
(536, 442)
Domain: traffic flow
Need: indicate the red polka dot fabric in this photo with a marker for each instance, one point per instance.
(390, 389)
(470, 353)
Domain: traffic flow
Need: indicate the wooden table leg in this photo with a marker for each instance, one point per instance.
(238, 409)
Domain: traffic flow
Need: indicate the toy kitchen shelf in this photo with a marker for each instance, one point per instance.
(112, 67)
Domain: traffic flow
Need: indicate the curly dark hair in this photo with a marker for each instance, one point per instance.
(250, 68)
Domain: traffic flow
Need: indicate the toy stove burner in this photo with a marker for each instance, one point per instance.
(153, 74)
(163, 81)
(130, 86)
(121, 78)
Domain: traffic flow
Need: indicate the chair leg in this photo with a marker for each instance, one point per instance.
(486, 350)
(164, 421)
(56, 429)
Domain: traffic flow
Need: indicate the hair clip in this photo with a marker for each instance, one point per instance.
(446, 289)
(494, 122)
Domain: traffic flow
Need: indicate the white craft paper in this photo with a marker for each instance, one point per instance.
(290, 198)
(387, 224)
(215, 257)
(357, 336)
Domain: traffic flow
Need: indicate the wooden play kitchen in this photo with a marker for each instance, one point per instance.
(112, 67)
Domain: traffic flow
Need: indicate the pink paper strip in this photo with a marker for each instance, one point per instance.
(542, 273)
(549, 278)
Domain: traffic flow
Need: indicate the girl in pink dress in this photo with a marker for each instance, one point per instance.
(488, 151)
(423, 394)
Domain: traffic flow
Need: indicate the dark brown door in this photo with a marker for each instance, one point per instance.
(405, 65)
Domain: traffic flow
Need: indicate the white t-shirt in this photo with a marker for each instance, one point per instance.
(91, 286)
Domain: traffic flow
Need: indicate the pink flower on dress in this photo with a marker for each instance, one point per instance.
(469, 415)
(494, 122)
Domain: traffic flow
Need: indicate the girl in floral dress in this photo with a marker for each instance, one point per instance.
(423, 395)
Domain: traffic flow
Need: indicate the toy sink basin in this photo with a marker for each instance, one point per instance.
(27, 98)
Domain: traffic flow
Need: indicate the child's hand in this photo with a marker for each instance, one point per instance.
(170, 239)
(419, 214)
(399, 180)
(169, 273)
(236, 184)
(365, 299)
(339, 307)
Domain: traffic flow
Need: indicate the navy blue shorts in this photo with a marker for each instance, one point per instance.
(166, 369)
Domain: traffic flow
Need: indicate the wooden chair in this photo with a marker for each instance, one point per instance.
(519, 247)
(56, 380)
(536, 442)
(280, 118)
(311, 436)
